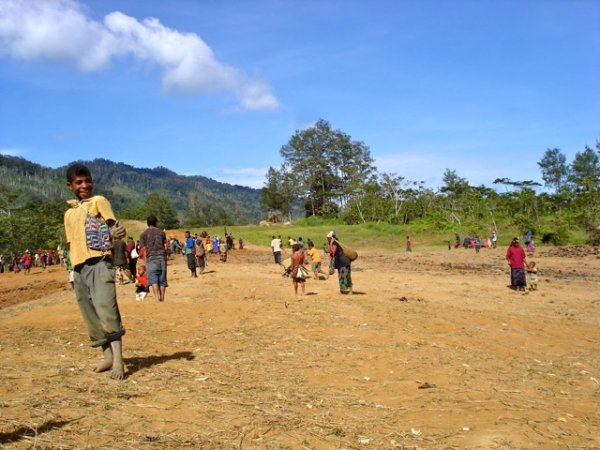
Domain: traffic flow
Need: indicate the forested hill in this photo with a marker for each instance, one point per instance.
(196, 199)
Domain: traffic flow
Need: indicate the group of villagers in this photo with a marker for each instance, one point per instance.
(338, 261)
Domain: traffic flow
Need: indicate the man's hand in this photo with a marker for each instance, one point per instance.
(117, 231)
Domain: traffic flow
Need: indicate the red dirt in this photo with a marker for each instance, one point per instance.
(432, 352)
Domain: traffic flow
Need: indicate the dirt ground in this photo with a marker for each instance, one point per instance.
(433, 351)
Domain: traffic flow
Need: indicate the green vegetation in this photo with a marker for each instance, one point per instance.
(372, 235)
(33, 200)
(333, 178)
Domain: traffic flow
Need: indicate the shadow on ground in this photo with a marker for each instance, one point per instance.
(143, 362)
(27, 432)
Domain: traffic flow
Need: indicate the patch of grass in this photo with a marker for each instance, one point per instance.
(376, 235)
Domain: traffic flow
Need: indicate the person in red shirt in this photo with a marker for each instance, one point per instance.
(27, 261)
(141, 283)
(515, 255)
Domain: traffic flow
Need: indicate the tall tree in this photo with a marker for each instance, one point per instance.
(585, 170)
(160, 206)
(330, 165)
(554, 168)
(454, 184)
(278, 193)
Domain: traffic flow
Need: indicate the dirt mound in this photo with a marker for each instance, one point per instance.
(16, 288)
(576, 251)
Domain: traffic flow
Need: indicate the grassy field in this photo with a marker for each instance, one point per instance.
(368, 235)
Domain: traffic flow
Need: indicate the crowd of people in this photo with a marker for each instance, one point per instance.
(516, 256)
(24, 261)
(98, 256)
(301, 255)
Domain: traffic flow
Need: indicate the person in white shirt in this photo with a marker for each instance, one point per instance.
(276, 246)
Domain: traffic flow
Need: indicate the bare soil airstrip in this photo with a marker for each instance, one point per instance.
(433, 351)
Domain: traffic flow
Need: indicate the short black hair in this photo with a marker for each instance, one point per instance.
(77, 170)
(152, 220)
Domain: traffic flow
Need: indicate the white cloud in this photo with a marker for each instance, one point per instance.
(60, 31)
(253, 177)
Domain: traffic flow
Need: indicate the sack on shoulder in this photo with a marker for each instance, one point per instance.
(350, 253)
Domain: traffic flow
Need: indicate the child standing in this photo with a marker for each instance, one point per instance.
(141, 283)
(297, 273)
(315, 258)
(90, 226)
(532, 275)
(408, 244)
(530, 245)
(223, 250)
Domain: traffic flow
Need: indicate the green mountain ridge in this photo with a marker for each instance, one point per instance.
(127, 187)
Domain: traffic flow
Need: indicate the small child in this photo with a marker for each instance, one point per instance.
(532, 275)
(531, 246)
(223, 250)
(141, 283)
(477, 244)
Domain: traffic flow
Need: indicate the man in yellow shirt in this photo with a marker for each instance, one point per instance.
(315, 258)
(90, 226)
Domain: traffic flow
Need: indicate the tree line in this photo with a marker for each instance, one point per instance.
(333, 176)
(33, 200)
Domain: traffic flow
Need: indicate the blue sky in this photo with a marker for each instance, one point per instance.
(215, 88)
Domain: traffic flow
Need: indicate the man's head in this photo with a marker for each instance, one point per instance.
(187, 234)
(515, 241)
(79, 181)
(151, 220)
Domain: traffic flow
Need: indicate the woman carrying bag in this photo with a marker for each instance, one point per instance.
(341, 262)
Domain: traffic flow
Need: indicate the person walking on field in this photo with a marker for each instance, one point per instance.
(200, 254)
(341, 263)
(297, 267)
(27, 262)
(120, 260)
(315, 259)
(189, 245)
(515, 255)
(154, 243)
(276, 246)
(89, 243)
